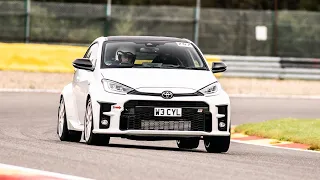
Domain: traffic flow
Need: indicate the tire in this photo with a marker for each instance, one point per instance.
(62, 127)
(89, 137)
(217, 144)
(188, 143)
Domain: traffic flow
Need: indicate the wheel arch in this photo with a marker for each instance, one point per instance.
(70, 107)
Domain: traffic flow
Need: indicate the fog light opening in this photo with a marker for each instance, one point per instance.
(105, 122)
(222, 124)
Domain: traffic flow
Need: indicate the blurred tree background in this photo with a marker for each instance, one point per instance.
(224, 26)
(308, 5)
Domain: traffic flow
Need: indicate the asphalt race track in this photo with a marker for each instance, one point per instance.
(28, 138)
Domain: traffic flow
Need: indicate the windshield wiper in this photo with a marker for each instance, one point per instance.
(146, 67)
(119, 66)
(196, 68)
(171, 66)
(183, 67)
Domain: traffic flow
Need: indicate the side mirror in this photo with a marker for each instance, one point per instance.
(218, 67)
(83, 63)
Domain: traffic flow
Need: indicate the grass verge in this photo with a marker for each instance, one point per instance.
(39, 57)
(305, 131)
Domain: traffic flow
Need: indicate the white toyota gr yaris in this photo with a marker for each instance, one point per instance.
(145, 88)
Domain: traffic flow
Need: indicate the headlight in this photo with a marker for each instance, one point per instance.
(211, 89)
(115, 87)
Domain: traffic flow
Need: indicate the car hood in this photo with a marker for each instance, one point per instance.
(143, 78)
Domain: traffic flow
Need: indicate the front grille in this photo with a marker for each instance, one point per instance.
(139, 115)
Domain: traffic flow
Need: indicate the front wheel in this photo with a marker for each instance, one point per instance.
(89, 137)
(62, 128)
(217, 144)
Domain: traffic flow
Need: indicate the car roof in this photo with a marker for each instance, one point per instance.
(146, 38)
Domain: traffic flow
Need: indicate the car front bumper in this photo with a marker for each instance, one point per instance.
(200, 121)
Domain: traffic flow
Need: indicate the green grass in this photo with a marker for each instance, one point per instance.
(305, 131)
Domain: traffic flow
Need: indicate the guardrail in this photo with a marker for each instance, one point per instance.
(271, 67)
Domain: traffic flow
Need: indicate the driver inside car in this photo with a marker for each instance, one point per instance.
(125, 55)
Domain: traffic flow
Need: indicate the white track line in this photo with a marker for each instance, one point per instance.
(36, 172)
(231, 95)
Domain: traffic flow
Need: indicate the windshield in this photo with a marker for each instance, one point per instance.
(119, 54)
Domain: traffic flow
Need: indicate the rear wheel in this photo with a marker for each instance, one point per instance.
(188, 143)
(89, 137)
(62, 128)
(217, 144)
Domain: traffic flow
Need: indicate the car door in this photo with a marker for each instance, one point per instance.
(82, 82)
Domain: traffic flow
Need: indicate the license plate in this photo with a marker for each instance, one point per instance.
(171, 112)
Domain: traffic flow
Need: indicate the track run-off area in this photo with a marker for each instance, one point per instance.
(28, 139)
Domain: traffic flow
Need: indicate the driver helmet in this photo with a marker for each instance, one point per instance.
(125, 54)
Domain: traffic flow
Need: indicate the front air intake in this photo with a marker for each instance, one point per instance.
(104, 107)
(223, 121)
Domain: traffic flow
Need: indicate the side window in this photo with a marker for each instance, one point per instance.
(92, 53)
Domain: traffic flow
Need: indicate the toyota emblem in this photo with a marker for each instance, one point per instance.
(167, 95)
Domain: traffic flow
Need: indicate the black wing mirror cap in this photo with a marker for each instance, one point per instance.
(83, 63)
(218, 67)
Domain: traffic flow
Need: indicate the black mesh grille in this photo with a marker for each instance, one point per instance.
(139, 115)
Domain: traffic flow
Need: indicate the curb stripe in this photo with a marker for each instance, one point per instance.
(19, 177)
(255, 140)
(249, 138)
(277, 147)
(13, 172)
(293, 145)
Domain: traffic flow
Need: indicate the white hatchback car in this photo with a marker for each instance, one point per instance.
(145, 88)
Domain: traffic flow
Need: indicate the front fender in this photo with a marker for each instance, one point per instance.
(71, 108)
